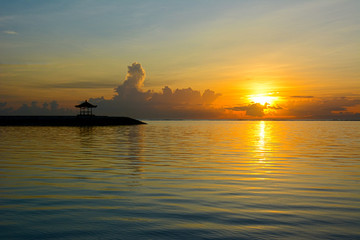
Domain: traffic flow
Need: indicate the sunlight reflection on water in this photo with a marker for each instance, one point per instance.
(181, 180)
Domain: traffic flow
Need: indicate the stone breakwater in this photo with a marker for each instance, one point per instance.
(67, 121)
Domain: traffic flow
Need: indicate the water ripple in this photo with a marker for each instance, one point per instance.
(181, 180)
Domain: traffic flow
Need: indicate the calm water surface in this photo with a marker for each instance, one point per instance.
(182, 180)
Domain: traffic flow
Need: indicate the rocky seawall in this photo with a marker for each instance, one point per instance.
(67, 121)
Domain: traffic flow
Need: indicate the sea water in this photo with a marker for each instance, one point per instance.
(182, 180)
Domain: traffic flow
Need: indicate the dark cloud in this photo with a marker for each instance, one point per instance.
(4, 110)
(254, 109)
(3, 104)
(275, 107)
(185, 96)
(35, 108)
(308, 108)
(321, 108)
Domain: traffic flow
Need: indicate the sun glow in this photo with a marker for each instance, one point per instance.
(263, 99)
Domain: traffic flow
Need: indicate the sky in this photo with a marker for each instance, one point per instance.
(201, 59)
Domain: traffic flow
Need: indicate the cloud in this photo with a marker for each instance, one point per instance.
(131, 100)
(82, 85)
(312, 108)
(9, 32)
(5, 110)
(320, 108)
(51, 108)
(254, 109)
(184, 97)
(2, 104)
(302, 96)
(135, 77)
(275, 107)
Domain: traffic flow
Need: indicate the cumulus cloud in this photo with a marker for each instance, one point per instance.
(131, 100)
(134, 78)
(181, 97)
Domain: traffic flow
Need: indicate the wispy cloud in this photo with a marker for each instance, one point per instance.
(4, 19)
(10, 32)
(302, 96)
(81, 85)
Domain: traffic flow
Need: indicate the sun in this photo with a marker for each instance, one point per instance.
(262, 99)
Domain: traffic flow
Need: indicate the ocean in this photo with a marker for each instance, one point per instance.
(182, 180)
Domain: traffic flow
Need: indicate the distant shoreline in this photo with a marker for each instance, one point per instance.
(67, 121)
(287, 120)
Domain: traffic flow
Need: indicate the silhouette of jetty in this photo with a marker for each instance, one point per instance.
(85, 118)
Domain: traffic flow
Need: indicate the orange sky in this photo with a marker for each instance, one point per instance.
(300, 56)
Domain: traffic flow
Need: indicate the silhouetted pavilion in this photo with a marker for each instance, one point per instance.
(86, 108)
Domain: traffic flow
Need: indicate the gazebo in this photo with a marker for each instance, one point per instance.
(86, 108)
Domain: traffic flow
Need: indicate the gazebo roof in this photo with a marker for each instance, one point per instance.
(86, 104)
